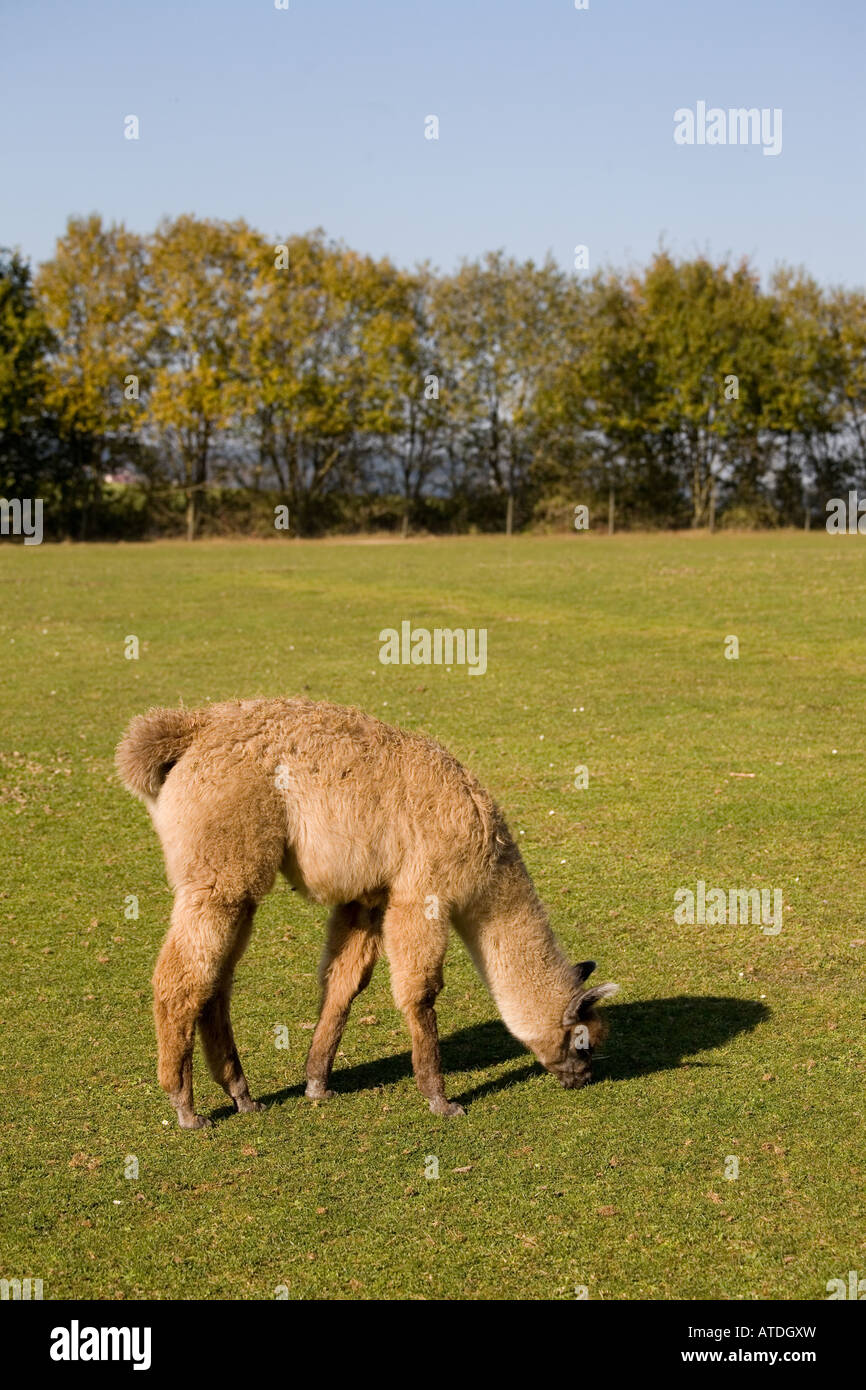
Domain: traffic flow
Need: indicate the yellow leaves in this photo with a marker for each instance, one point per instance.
(90, 294)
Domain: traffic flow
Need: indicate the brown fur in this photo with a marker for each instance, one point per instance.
(384, 825)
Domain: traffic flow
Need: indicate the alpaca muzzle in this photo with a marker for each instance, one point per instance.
(574, 1074)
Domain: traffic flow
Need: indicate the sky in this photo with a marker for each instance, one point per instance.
(555, 125)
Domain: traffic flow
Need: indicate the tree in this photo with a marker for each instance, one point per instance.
(403, 405)
(26, 432)
(198, 282)
(847, 309)
(90, 295)
(603, 395)
(328, 355)
(495, 325)
(707, 330)
(809, 371)
(207, 353)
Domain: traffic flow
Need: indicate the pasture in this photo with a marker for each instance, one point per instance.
(720, 1153)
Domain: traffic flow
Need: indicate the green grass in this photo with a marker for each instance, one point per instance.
(724, 1041)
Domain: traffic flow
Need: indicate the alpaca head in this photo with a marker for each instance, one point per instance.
(569, 1054)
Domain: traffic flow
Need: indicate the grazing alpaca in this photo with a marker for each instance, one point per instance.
(383, 824)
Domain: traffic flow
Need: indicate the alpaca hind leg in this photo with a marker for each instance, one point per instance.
(203, 932)
(216, 1026)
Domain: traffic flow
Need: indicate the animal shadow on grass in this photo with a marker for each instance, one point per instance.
(663, 1034)
(645, 1036)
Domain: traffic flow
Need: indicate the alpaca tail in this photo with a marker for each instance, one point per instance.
(152, 745)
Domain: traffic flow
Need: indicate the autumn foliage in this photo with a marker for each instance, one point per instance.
(197, 378)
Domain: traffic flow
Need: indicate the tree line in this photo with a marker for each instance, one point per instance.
(202, 376)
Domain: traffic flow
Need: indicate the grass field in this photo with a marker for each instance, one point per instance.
(726, 1041)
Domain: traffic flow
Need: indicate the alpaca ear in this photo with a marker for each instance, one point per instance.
(596, 994)
(583, 1001)
(582, 970)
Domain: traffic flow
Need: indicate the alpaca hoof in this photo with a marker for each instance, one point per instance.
(194, 1121)
(317, 1091)
(446, 1107)
(245, 1105)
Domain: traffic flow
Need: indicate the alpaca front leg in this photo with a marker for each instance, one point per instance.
(351, 951)
(426, 1061)
(415, 946)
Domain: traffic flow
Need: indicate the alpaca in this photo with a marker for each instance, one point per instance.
(383, 825)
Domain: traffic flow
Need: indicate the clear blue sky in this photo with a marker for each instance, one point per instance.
(556, 126)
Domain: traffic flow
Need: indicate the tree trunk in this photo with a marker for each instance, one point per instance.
(610, 512)
(509, 515)
(199, 479)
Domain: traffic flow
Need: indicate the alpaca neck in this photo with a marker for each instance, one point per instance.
(519, 958)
